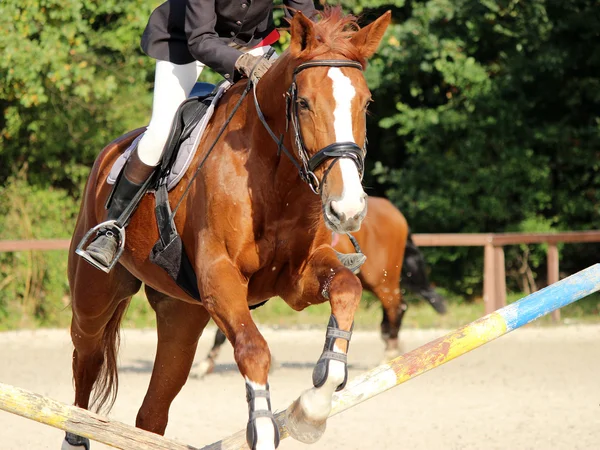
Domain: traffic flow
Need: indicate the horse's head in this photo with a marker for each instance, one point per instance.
(327, 106)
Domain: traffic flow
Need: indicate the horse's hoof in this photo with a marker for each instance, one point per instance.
(75, 442)
(206, 367)
(300, 427)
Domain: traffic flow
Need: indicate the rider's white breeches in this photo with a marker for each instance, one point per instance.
(172, 85)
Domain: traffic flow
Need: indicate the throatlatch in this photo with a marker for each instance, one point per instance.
(321, 370)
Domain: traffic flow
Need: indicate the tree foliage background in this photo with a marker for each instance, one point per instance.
(486, 119)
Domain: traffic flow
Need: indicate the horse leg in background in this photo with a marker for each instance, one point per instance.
(98, 302)
(393, 308)
(414, 277)
(224, 293)
(323, 280)
(208, 365)
(179, 326)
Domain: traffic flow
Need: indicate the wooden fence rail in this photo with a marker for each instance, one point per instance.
(494, 274)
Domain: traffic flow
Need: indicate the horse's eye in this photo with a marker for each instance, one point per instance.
(303, 104)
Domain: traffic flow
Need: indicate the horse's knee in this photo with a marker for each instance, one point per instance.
(345, 288)
(253, 357)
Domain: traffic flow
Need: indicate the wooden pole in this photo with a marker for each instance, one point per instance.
(82, 422)
(553, 272)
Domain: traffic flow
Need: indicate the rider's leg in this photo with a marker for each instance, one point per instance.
(172, 85)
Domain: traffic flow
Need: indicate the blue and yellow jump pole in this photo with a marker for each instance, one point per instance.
(450, 346)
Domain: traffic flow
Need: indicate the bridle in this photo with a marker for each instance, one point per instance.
(335, 151)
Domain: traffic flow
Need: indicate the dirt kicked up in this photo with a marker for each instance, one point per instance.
(537, 388)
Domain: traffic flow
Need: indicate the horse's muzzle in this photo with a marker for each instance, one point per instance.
(341, 217)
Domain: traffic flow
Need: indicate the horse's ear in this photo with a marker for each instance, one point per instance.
(303, 35)
(367, 39)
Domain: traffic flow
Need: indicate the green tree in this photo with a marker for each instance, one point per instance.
(487, 119)
(72, 78)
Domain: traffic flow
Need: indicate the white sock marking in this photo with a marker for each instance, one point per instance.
(351, 202)
(264, 426)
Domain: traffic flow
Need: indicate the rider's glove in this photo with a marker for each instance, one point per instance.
(246, 63)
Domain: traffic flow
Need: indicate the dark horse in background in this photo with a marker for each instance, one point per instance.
(393, 263)
(256, 223)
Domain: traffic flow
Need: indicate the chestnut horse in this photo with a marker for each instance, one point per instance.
(385, 239)
(252, 228)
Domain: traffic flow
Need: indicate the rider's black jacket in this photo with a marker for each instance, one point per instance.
(181, 31)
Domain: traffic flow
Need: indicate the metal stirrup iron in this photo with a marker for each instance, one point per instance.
(112, 226)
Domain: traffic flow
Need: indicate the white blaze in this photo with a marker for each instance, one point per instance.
(351, 202)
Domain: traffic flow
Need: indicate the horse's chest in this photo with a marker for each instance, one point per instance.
(276, 266)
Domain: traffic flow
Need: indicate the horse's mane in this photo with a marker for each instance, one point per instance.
(333, 33)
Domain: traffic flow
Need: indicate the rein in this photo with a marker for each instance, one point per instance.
(337, 150)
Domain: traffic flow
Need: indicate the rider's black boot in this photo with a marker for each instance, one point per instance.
(104, 247)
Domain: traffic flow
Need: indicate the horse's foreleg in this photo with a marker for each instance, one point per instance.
(179, 326)
(224, 293)
(393, 313)
(208, 365)
(307, 416)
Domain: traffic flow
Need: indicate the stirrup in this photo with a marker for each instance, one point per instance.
(109, 225)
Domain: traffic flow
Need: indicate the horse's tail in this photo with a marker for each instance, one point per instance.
(415, 279)
(107, 384)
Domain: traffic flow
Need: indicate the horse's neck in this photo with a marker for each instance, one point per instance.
(287, 198)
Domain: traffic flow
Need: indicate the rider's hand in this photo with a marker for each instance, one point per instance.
(246, 63)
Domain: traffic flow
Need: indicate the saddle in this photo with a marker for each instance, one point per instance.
(187, 129)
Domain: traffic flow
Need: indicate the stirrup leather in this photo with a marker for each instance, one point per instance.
(109, 226)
